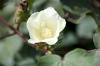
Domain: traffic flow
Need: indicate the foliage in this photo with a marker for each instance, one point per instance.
(78, 45)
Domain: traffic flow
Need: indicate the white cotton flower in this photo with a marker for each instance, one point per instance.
(45, 26)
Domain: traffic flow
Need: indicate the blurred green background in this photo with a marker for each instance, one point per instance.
(82, 31)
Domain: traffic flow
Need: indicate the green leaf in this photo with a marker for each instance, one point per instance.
(23, 28)
(96, 39)
(57, 5)
(3, 30)
(77, 11)
(97, 57)
(70, 38)
(9, 9)
(66, 40)
(8, 48)
(30, 3)
(86, 27)
(37, 4)
(78, 57)
(83, 3)
(27, 62)
(49, 60)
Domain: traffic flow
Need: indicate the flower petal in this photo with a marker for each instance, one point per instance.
(49, 12)
(45, 26)
(62, 24)
(54, 17)
(32, 26)
(31, 41)
(50, 41)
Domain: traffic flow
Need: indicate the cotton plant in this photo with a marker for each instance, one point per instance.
(31, 38)
(45, 26)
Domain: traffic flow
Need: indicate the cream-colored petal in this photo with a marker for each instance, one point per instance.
(62, 24)
(56, 22)
(33, 20)
(33, 26)
(31, 41)
(50, 41)
(48, 19)
(54, 18)
(48, 16)
(49, 12)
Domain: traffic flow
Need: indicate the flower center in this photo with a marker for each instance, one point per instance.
(46, 33)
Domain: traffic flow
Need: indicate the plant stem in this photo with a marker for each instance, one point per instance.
(2, 20)
(7, 36)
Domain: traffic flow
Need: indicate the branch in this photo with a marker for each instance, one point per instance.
(6, 36)
(2, 20)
